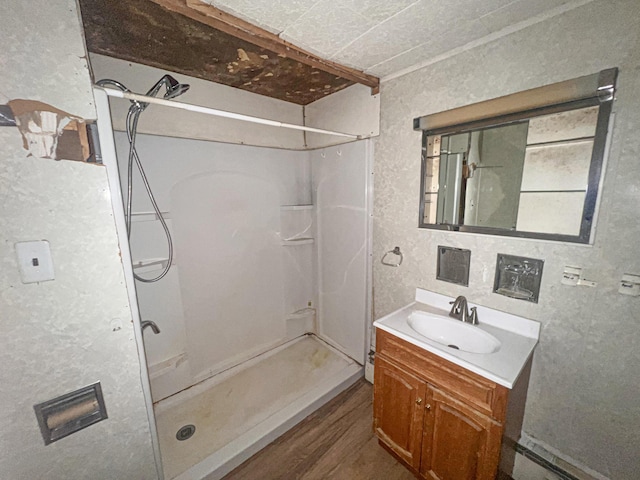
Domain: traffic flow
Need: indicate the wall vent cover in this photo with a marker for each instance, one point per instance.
(453, 265)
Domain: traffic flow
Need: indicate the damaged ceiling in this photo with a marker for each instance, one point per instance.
(159, 34)
(302, 50)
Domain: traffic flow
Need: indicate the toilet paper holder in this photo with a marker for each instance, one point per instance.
(70, 412)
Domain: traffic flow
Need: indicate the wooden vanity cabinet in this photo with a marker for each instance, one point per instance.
(458, 442)
(443, 421)
(399, 411)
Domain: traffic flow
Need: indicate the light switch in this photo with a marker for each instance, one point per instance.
(34, 261)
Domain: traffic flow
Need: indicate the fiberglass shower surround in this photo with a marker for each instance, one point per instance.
(173, 363)
(259, 234)
(172, 89)
(240, 216)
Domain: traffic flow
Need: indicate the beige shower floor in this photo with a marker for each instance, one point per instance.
(244, 402)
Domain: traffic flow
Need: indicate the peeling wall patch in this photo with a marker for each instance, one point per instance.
(50, 133)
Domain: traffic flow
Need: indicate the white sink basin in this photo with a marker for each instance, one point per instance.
(453, 333)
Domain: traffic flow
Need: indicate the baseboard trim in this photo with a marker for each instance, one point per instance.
(543, 462)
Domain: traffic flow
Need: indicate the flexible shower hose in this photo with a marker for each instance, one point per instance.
(132, 127)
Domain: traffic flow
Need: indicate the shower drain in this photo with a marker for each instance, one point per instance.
(185, 432)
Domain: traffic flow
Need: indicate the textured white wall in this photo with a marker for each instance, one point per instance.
(59, 335)
(584, 389)
(45, 41)
(352, 110)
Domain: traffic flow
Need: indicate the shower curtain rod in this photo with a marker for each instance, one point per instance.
(218, 113)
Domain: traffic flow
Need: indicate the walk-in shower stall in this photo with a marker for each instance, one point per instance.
(262, 313)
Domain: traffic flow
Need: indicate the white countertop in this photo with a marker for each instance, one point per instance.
(518, 337)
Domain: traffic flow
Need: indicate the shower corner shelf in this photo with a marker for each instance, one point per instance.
(289, 208)
(150, 265)
(148, 216)
(301, 313)
(297, 241)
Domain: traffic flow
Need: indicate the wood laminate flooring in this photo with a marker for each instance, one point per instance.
(336, 442)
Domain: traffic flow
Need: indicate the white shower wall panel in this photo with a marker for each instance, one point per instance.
(340, 187)
(226, 298)
(231, 271)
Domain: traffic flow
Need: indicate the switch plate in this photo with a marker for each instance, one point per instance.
(630, 285)
(571, 276)
(34, 261)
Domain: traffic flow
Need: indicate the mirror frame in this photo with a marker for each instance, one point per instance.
(597, 89)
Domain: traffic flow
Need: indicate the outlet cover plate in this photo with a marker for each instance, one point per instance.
(34, 261)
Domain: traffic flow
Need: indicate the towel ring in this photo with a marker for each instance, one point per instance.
(395, 251)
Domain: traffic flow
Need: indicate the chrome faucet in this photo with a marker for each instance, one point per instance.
(149, 323)
(460, 311)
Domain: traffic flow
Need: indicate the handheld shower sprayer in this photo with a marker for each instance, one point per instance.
(172, 89)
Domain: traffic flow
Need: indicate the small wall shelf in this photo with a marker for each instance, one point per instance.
(287, 208)
(301, 314)
(148, 216)
(150, 265)
(297, 241)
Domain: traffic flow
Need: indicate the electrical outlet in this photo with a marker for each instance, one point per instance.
(34, 261)
(368, 371)
(630, 285)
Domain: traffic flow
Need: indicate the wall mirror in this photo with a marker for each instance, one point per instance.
(527, 165)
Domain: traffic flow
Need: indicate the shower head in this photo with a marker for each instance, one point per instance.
(175, 89)
(172, 86)
(172, 89)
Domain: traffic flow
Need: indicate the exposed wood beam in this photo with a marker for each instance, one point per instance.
(145, 32)
(216, 18)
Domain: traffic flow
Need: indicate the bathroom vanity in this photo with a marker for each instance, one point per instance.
(444, 412)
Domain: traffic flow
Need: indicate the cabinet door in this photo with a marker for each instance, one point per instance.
(459, 443)
(398, 410)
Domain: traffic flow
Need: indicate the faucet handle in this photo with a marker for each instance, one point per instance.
(459, 308)
(473, 316)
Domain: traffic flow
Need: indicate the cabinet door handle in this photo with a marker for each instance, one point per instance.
(419, 401)
(428, 406)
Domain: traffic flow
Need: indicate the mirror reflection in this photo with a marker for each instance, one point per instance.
(530, 175)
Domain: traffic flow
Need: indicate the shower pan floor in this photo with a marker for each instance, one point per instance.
(237, 415)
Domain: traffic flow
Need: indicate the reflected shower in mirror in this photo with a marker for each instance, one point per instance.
(531, 173)
(502, 174)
